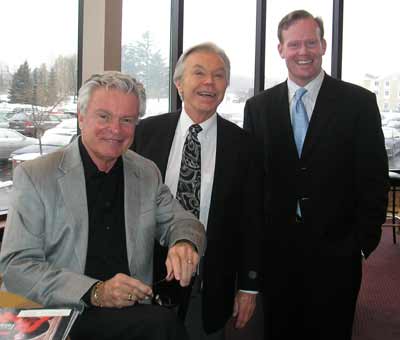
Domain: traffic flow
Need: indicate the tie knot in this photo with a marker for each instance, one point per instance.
(195, 129)
(300, 92)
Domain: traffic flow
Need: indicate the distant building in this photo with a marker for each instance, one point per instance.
(387, 90)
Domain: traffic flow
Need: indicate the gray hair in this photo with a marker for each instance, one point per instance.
(289, 19)
(112, 80)
(204, 47)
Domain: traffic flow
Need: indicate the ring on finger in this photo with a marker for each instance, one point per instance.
(130, 297)
(189, 262)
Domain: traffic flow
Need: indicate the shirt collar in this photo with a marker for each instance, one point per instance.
(185, 122)
(312, 87)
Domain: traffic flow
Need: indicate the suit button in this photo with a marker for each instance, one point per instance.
(252, 274)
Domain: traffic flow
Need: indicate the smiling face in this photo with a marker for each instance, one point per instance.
(202, 85)
(108, 125)
(302, 48)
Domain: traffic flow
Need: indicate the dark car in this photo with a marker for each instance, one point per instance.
(29, 124)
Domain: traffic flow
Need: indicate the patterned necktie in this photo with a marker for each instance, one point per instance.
(299, 119)
(188, 192)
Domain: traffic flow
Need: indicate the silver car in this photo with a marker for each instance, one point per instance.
(11, 140)
(3, 122)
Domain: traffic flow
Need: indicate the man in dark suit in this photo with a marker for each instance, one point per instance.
(230, 203)
(326, 200)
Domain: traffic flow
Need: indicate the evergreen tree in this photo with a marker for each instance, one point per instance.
(21, 85)
(141, 61)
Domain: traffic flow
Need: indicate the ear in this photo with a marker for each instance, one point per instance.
(178, 85)
(280, 50)
(323, 44)
(81, 118)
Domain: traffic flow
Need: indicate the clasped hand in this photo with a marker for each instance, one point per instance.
(123, 290)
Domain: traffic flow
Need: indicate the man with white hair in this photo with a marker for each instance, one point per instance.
(83, 220)
(210, 164)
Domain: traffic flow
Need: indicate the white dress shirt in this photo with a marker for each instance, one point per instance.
(208, 141)
(310, 97)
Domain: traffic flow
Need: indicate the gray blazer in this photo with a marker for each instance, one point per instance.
(44, 247)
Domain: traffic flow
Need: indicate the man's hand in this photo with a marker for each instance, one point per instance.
(123, 291)
(243, 308)
(181, 262)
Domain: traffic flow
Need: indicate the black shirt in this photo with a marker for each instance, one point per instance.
(107, 251)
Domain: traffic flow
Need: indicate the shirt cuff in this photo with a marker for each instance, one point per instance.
(248, 291)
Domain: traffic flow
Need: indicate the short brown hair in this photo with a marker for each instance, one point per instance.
(292, 17)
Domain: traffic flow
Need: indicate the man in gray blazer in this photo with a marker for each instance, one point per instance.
(82, 223)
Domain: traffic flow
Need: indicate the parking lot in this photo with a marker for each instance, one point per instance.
(5, 190)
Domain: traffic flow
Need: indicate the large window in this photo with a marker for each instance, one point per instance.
(371, 59)
(145, 49)
(231, 25)
(38, 77)
(275, 67)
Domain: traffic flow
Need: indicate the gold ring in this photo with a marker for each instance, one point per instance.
(130, 297)
(189, 262)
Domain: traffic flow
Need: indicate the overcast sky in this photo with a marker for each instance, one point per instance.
(370, 31)
(28, 32)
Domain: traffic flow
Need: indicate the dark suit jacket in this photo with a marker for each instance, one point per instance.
(341, 178)
(233, 231)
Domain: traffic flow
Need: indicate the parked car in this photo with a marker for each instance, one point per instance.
(392, 140)
(5, 194)
(28, 124)
(62, 115)
(49, 144)
(11, 140)
(66, 127)
(6, 113)
(3, 122)
(393, 124)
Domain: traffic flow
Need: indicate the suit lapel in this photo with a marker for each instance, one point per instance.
(280, 120)
(166, 137)
(73, 189)
(133, 197)
(223, 159)
(322, 115)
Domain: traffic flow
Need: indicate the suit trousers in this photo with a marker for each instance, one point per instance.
(309, 294)
(140, 322)
(194, 319)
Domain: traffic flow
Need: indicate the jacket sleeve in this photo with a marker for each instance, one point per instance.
(174, 223)
(25, 261)
(371, 166)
